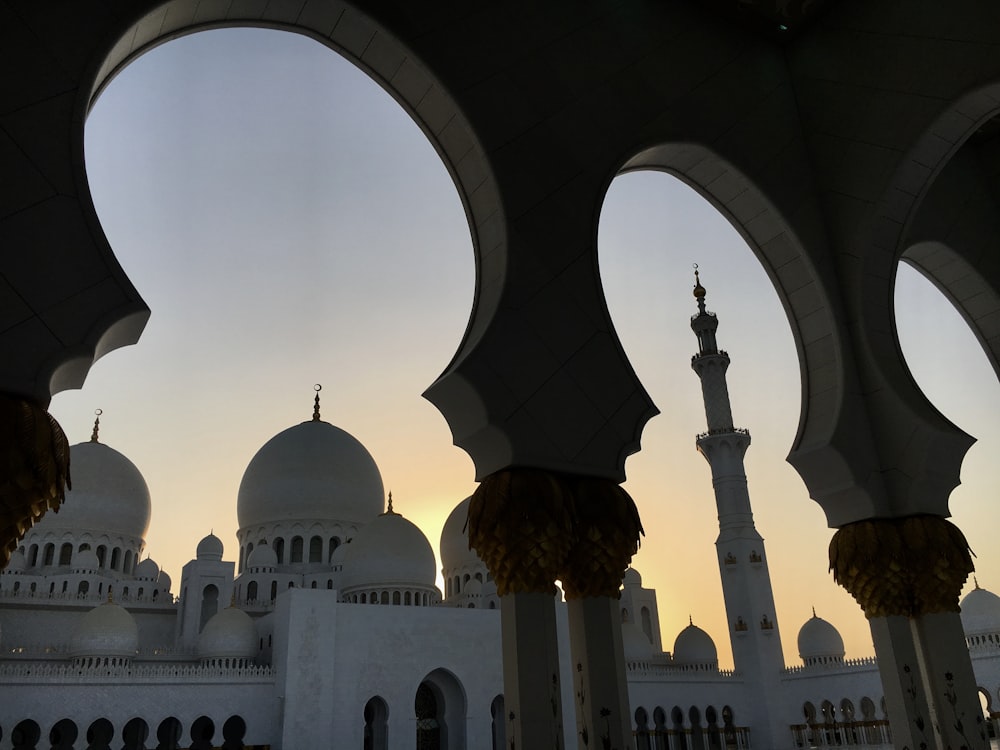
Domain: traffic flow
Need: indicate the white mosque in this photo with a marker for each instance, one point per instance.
(324, 628)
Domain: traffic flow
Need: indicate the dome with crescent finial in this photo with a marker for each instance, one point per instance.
(313, 471)
(109, 495)
(980, 612)
(695, 648)
(107, 630)
(230, 634)
(820, 642)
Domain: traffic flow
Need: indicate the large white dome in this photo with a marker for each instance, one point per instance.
(389, 551)
(229, 634)
(311, 472)
(109, 495)
(695, 647)
(980, 612)
(106, 630)
(455, 552)
(819, 640)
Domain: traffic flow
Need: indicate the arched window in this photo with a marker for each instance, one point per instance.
(100, 734)
(169, 733)
(407, 598)
(466, 578)
(313, 585)
(209, 605)
(63, 735)
(376, 732)
(479, 577)
(647, 623)
(334, 543)
(233, 732)
(642, 738)
(279, 550)
(498, 725)
(447, 587)
(296, 554)
(66, 554)
(239, 567)
(316, 550)
(457, 588)
(141, 590)
(83, 588)
(329, 584)
(102, 554)
(202, 732)
(26, 734)
(116, 558)
(127, 567)
(395, 597)
(364, 598)
(428, 719)
(134, 733)
(385, 598)
(83, 547)
(252, 591)
(33, 555)
(48, 557)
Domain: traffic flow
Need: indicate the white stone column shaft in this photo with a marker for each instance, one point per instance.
(531, 676)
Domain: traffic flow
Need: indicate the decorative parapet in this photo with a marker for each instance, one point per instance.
(725, 431)
(667, 670)
(163, 600)
(47, 671)
(862, 664)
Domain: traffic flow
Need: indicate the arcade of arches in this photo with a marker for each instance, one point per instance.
(840, 139)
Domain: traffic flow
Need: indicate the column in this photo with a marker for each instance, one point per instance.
(520, 526)
(607, 530)
(907, 574)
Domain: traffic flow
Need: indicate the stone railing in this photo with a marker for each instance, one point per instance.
(666, 669)
(873, 734)
(163, 600)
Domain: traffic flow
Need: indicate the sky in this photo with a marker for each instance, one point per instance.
(288, 224)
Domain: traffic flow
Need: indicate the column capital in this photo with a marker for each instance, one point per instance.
(908, 566)
(35, 454)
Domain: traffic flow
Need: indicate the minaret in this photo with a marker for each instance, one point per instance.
(746, 583)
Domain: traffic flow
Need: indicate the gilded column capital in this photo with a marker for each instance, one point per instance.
(520, 524)
(902, 566)
(607, 528)
(531, 527)
(34, 469)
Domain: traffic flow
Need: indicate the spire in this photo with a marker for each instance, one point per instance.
(316, 388)
(690, 620)
(699, 291)
(97, 425)
(390, 511)
(814, 613)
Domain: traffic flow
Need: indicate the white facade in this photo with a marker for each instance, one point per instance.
(284, 648)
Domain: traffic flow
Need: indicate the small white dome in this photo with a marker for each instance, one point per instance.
(636, 644)
(263, 556)
(311, 472)
(147, 570)
(17, 562)
(229, 634)
(86, 560)
(106, 630)
(210, 548)
(163, 581)
(337, 558)
(695, 646)
(632, 578)
(109, 495)
(980, 612)
(388, 551)
(455, 552)
(819, 639)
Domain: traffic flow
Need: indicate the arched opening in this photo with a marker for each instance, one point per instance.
(49, 555)
(296, 553)
(653, 227)
(63, 734)
(209, 605)
(233, 732)
(134, 734)
(100, 735)
(252, 591)
(66, 554)
(643, 739)
(376, 731)
(316, 549)
(681, 735)
(25, 735)
(168, 734)
(279, 550)
(498, 724)
(440, 711)
(202, 732)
